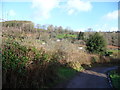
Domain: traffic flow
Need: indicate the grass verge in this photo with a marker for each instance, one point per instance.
(115, 78)
(64, 74)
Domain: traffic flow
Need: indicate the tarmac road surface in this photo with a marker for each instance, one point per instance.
(93, 78)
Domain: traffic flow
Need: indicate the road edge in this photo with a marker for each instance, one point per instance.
(108, 76)
(109, 79)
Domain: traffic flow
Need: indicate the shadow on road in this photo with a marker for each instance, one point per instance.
(92, 78)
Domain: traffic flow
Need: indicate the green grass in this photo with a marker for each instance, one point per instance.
(60, 36)
(115, 77)
(64, 74)
(114, 51)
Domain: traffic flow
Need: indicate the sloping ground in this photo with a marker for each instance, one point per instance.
(93, 78)
(108, 46)
(112, 47)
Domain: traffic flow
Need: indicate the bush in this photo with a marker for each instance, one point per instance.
(80, 36)
(107, 53)
(10, 57)
(76, 65)
(94, 59)
(25, 67)
(115, 78)
(96, 44)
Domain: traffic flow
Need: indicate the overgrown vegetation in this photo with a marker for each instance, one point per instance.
(115, 78)
(33, 58)
(26, 67)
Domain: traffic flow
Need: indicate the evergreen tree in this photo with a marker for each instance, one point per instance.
(81, 36)
(96, 44)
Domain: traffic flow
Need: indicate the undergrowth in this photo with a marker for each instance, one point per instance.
(115, 77)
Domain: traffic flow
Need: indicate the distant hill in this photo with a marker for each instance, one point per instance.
(17, 23)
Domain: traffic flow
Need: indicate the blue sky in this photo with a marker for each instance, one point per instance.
(79, 15)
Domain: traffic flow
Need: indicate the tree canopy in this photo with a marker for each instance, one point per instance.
(81, 36)
(96, 44)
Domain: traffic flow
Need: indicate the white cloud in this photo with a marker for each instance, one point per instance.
(80, 29)
(112, 15)
(114, 29)
(43, 8)
(78, 5)
(11, 13)
(71, 11)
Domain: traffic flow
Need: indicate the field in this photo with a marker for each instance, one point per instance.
(60, 36)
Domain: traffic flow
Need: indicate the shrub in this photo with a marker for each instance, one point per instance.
(94, 59)
(80, 36)
(25, 67)
(96, 44)
(11, 59)
(107, 53)
(75, 65)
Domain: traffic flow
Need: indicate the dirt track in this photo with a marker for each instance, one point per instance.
(93, 78)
